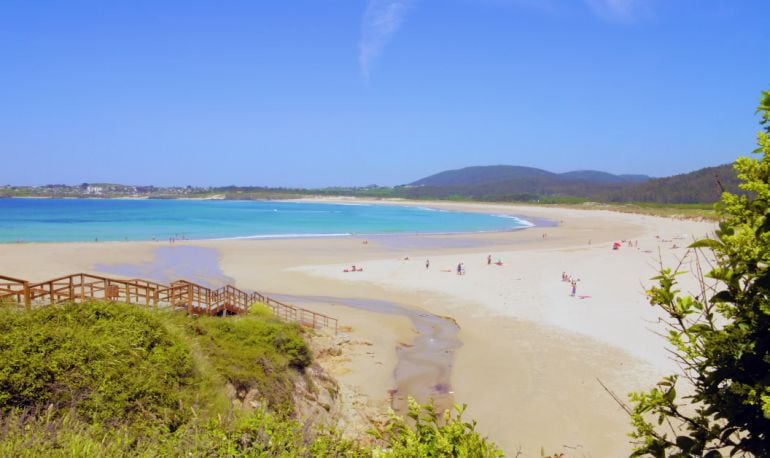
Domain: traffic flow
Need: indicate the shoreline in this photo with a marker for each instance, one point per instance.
(530, 353)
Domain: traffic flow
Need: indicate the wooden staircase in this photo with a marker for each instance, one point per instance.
(195, 299)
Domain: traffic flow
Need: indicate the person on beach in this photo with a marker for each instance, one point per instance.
(427, 263)
(459, 268)
(574, 287)
(489, 259)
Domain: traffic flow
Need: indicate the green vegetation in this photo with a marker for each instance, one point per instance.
(722, 336)
(436, 435)
(106, 379)
(253, 354)
(503, 183)
(702, 211)
(76, 358)
(524, 184)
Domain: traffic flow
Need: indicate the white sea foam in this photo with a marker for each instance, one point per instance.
(428, 209)
(523, 222)
(282, 236)
(348, 204)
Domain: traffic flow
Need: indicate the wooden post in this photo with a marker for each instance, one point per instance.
(27, 298)
(82, 289)
(189, 299)
(128, 293)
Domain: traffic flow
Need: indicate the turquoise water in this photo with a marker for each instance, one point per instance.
(71, 220)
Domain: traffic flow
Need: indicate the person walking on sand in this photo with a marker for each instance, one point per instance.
(574, 288)
(459, 268)
(489, 259)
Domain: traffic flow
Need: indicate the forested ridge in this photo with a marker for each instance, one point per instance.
(504, 183)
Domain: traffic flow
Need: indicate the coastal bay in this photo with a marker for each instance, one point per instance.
(531, 353)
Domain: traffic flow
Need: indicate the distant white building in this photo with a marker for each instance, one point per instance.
(94, 190)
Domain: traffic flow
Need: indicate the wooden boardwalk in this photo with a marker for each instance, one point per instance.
(179, 295)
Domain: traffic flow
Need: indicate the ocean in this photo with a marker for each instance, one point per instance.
(81, 220)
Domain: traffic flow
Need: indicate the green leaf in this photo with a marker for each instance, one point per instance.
(707, 243)
(686, 443)
(723, 296)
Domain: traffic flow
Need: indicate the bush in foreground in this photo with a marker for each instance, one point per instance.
(721, 337)
(107, 363)
(104, 379)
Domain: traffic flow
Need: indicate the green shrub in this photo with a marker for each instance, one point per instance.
(254, 353)
(261, 310)
(720, 337)
(434, 435)
(108, 362)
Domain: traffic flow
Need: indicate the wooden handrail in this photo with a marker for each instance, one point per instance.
(181, 294)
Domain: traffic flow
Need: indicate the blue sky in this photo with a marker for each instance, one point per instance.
(334, 92)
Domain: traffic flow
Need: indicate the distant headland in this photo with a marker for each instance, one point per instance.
(496, 183)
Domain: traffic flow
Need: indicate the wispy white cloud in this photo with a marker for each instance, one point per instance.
(616, 10)
(611, 10)
(381, 21)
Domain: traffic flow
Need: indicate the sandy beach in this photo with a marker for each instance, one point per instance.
(530, 352)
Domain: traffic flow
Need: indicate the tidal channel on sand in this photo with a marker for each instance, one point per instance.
(424, 366)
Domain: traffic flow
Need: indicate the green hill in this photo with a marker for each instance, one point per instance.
(478, 175)
(701, 186)
(513, 183)
(508, 175)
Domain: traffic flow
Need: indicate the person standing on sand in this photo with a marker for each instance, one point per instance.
(427, 263)
(574, 287)
(459, 268)
(489, 259)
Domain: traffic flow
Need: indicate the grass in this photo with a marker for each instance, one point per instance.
(687, 211)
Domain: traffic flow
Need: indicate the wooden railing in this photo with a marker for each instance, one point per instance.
(292, 313)
(14, 289)
(195, 299)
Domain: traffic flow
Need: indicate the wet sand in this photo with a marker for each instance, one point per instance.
(424, 363)
(170, 263)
